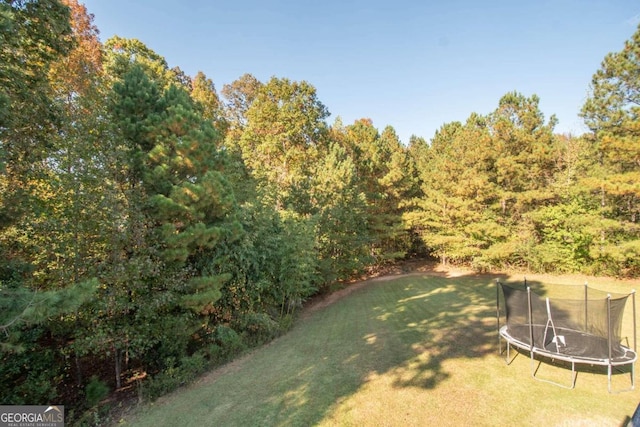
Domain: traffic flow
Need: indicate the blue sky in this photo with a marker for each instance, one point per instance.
(414, 65)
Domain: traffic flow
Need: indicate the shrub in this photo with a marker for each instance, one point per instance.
(258, 327)
(228, 340)
(175, 375)
(95, 391)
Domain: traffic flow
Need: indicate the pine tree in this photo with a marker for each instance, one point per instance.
(613, 115)
(342, 233)
(383, 171)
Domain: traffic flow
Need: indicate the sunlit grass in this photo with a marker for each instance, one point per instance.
(417, 350)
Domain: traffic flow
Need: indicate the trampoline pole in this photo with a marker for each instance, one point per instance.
(498, 314)
(586, 308)
(530, 315)
(633, 369)
(633, 300)
(530, 324)
(609, 337)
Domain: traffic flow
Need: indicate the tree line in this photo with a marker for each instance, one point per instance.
(151, 227)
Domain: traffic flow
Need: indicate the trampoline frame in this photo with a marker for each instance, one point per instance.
(610, 362)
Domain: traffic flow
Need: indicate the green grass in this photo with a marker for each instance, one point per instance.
(413, 351)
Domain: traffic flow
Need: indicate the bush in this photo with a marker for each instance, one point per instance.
(258, 327)
(175, 375)
(228, 340)
(95, 391)
(286, 322)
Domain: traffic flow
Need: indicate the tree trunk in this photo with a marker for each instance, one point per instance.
(118, 366)
(78, 368)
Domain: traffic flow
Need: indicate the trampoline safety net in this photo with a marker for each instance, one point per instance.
(588, 326)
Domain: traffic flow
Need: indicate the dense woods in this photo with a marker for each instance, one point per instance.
(151, 227)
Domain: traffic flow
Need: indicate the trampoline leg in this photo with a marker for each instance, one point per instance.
(609, 379)
(574, 375)
(508, 358)
(534, 370)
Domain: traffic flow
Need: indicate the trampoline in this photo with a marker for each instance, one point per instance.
(584, 328)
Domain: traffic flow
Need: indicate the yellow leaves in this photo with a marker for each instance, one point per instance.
(75, 72)
(621, 148)
(189, 194)
(41, 188)
(623, 184)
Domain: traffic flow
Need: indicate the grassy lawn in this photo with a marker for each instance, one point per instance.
(413, 351)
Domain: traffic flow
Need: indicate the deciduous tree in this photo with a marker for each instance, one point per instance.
(284, 136)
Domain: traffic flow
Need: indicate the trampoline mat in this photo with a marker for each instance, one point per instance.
(568, 343)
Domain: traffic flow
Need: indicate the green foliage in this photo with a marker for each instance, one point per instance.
(284, 134)
(240, 95)
(21, 307)
(297, 270)
(342, 236)
(203, 93)
(382, 179)
(95, 391)
(458, 187)
(258, 327)
(33, 36)
(565, 238)
(174, 375)
(203, 291)
(612, 113)
(29, 375)
(136, 106)
(122, 55)
(228, 340)
(526, 153)
(615, 88)
(148, 226)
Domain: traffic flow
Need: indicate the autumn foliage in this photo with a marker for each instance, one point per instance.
(151, 228)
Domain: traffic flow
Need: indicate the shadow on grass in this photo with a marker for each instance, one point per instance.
(403, 329)
(410, 333)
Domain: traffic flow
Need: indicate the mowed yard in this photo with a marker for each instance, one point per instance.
(409, 350)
